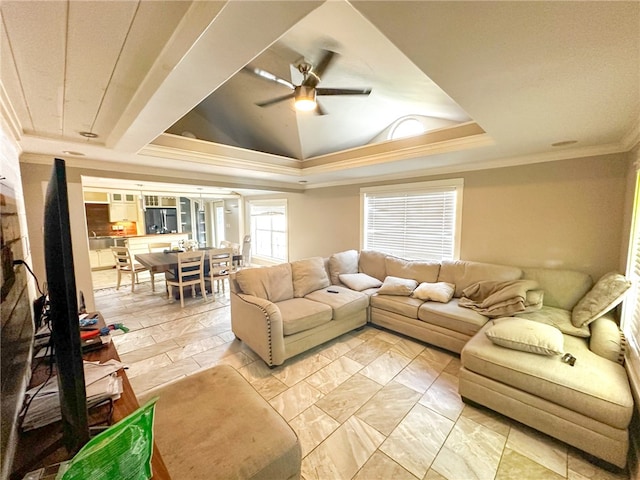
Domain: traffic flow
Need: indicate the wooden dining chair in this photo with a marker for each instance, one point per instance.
(126, 265)
(220, 264)
(157, 247)
(189, 273)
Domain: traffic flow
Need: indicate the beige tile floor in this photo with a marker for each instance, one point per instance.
(368, 405)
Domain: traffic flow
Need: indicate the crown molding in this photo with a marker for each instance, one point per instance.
(9, 115)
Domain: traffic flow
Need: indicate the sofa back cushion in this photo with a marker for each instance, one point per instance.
(271, 283)
(342, 263)
(309, 275)
(464, 273)
(562, 288)
(420, 271)
(373, 263)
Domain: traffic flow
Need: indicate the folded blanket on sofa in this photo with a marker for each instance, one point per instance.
(502, 298)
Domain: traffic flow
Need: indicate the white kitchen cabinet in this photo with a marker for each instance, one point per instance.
(123, 212)
(101, 259)
(120, 197)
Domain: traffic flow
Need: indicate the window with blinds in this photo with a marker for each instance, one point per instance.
(268, 223)
(419, 221)
(631, 306)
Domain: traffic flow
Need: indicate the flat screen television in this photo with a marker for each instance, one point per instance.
(65, 328)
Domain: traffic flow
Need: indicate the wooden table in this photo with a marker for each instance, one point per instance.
(159, 262)
(34, 442)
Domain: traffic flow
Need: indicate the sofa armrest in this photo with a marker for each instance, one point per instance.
(258, 323)
(607, 339)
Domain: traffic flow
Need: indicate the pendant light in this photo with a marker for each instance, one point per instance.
(201, 202)
(143, 205)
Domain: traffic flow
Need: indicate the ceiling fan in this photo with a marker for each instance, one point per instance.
(305, 93)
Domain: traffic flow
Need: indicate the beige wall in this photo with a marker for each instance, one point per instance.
(565, 214)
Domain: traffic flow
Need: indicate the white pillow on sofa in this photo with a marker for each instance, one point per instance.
(526, 336)
(436, 292)
(397, 286)
(605, 295)
(359, 281)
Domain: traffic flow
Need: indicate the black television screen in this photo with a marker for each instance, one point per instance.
(65, 328)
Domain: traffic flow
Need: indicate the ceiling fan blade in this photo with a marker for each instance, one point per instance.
(324, 62)
(343, 91)
(275, 100)
(269, 76)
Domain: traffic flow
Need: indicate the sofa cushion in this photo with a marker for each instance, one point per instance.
(463, 273)
(271, 283)
(308, 275)
(406, 306)
(420, 271)
(556, 317)
(359, 281)
(593, 386)
(605, 295)
(526, 335)
(300, 314)
(344, 303)
(607, 340)
(452, 316)
(397, 286)
(373, 263)
(340, 263)
(436, 292)
(562, 288)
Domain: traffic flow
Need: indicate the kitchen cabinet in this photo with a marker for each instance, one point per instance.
(96, 197)
(159, 201)
(101, 259)
(121, 197)
(123, 212)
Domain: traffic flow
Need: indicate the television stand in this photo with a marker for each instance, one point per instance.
(43, 446)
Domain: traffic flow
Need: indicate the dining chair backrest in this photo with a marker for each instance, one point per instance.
(233, 246)
(220, 259)
(122, 257)
(190, 265)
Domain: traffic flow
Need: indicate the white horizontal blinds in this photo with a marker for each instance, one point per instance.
(418, 225)
(631, 309)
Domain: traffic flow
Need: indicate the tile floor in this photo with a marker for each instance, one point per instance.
(368, 405)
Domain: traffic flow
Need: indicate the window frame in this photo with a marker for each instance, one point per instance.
(630, 316)
(274, 202)
(457, 184)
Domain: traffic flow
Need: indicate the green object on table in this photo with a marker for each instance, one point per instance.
(122, 452)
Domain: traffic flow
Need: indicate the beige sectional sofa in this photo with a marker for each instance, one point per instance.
(512, 349)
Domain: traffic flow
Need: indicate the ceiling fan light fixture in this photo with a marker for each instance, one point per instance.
(305, 98)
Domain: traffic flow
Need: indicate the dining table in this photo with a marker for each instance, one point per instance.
(167, 260)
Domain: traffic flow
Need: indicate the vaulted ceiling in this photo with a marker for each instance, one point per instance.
(496, 83)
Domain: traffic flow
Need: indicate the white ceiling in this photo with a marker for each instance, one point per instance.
(520, 76)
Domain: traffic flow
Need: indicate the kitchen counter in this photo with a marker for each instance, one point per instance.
(140, 243)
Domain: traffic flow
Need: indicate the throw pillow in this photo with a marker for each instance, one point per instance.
(607, 340)
(340, 263)
(309, 275)
(397, 286)
(526, 336)
(359, 281)
(437, 292)
(605, 295)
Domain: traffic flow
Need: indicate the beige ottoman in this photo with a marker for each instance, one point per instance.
(215, 425)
